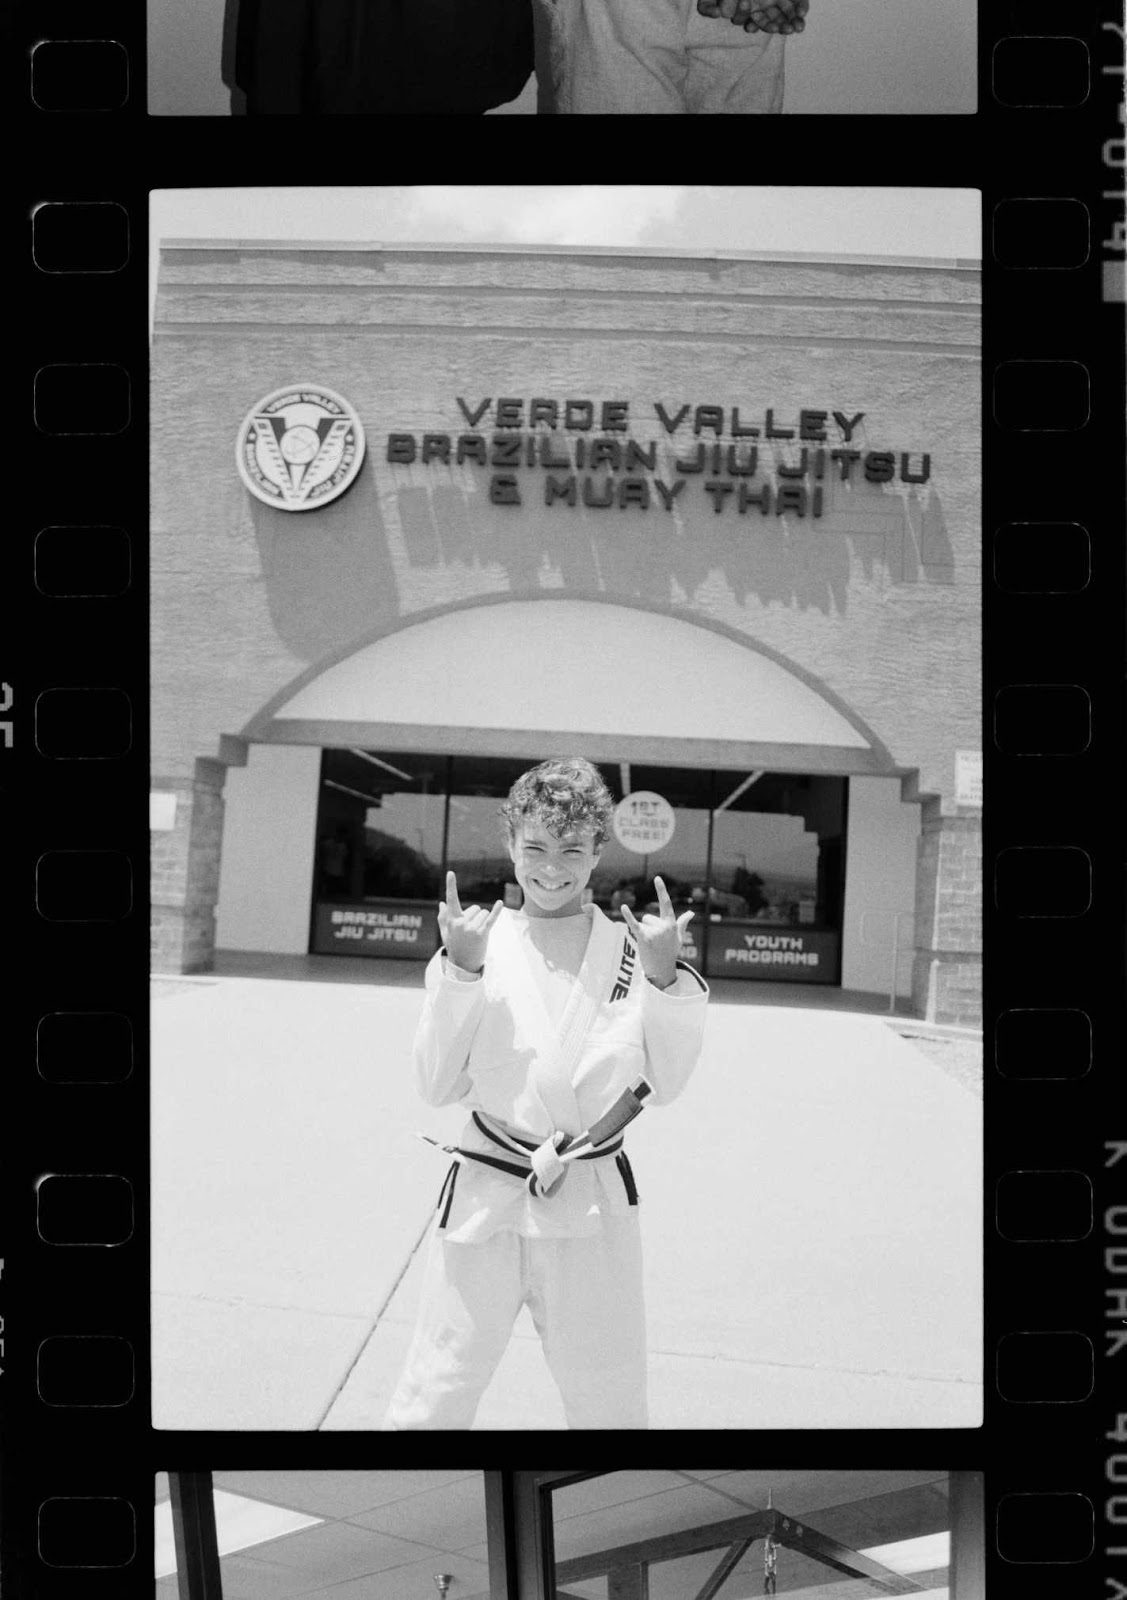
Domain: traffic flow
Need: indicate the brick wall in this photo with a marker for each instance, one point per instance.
(947, 972)
(185, 872)
(877, 603)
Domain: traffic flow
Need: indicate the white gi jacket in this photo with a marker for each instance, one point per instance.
(491, 1045)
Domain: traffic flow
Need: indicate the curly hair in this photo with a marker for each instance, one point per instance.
(560, 795)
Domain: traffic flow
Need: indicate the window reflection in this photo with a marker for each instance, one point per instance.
(627, 876)
(776, 849)
(777, 881)
(759, 857)
(378, 863)
(476, 850)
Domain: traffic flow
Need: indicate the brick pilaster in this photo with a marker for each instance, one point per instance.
(947, 972)
(185, 871)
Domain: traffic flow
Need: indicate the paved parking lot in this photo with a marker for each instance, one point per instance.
(811, 1212)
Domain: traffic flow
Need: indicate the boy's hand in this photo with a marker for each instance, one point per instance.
(658, 938)
(759, 16)
(771, 16)
(465, 933)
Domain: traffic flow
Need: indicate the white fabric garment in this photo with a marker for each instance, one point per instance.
(633, 57)
(491, 1044)
(558, 947)
(540, 1056)
(585, 1296)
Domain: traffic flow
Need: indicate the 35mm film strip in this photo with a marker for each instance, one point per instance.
(1047, 149)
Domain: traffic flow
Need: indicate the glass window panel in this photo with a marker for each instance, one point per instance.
(764, 868)
(778, 877)
(476, 849)
(758, 856)
(380, 822)
(379, 825)
(777, 849)
(682, 863)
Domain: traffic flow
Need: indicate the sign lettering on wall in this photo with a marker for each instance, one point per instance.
(407, 928)
(780, 955)
(162, 812)
(968, 777)
(581, 453)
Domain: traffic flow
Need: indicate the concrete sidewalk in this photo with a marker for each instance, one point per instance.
(811, 1211)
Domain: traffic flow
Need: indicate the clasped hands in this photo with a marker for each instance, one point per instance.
(759, 16)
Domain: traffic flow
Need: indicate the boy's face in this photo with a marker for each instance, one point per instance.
(553, 871)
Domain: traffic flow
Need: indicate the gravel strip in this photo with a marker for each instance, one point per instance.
(960, 1059)
(167, 986)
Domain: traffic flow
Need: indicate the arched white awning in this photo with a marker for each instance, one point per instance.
(616, 682)
(572, 666)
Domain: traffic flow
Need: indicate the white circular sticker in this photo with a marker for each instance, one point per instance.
(643, 822)
(300, 447)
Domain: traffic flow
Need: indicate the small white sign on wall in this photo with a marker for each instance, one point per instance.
(162, 812)
(968, 777)
(643, 822)
(300, 447)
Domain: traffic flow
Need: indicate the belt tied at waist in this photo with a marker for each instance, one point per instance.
(543, 1166)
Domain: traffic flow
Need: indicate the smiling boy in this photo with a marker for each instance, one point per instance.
(551, 1025)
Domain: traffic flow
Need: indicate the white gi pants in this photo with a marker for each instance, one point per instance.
(585, 1296)
(634, 56)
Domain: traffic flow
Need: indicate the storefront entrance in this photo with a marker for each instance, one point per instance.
(760, 856)
(360, 785)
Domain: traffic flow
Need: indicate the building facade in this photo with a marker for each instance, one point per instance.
(424, 516)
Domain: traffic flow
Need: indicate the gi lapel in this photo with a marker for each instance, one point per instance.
(591, 989)
(549, 1076)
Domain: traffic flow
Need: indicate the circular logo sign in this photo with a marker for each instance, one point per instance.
(643, 822)
(300, 447)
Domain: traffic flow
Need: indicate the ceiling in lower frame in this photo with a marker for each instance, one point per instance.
(382, 1536)
(386, 1535)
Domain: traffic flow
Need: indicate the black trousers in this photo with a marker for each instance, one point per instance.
(367, 57)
